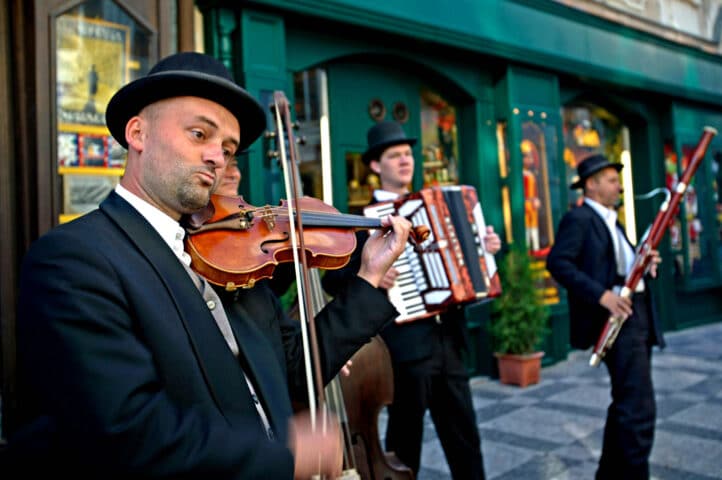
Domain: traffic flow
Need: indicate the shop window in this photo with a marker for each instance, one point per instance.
(504, 167)
(535, 181)
(537, 152)
(98, 49)
(671, 177)
(439, 147)
(439, 140)
(361, 183)
(716, 180)
(589, 129)
(311, 113)
(696, 233)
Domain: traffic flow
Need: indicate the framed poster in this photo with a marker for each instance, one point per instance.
(84, 188)
(92, 64)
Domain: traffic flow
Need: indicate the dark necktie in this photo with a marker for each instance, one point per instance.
(215, 305)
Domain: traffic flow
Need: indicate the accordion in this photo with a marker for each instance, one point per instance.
(452, 265)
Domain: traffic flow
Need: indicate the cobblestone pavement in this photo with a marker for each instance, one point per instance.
(553, 430)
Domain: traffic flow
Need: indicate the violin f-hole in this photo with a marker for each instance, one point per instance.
(282, 239)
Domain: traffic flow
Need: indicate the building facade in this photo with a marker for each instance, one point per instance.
(505, 96)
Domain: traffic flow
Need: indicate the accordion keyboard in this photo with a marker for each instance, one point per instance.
(451, 265)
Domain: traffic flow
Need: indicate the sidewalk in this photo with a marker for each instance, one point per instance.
(553, 430)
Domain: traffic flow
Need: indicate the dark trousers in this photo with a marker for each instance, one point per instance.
(629, 431)
(440, 384)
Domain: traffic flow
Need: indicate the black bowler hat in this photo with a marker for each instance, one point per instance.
(591, 165)
(382, 136)
(186, 74)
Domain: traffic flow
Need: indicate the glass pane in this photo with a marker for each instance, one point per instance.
(504, 167)
(99, 49)
(538, 147)
(716, 170)
(671, 178)
(701, 227)
(312, 121)
(361, 183)
(583, 134)
(588, 129)
(439, 140)
(535, 175)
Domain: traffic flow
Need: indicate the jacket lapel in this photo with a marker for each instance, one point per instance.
(216, 361)
(602, 234)
(261, 365)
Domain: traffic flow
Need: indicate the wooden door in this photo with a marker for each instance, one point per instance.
(34, 188)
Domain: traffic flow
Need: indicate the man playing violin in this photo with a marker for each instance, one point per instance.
(282, 280)
(429, 373)
(129, 366)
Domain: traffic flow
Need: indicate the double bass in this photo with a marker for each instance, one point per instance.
(368, 389)
(358, 398)
(215, 236)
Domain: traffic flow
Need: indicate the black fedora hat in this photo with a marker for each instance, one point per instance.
(382, 136)
(591, 165)
(186, 74)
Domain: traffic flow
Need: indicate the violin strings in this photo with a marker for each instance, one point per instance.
(328, 219)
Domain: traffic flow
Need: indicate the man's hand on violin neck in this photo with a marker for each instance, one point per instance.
(383, 248)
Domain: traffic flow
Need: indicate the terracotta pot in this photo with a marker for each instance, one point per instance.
(519, 370)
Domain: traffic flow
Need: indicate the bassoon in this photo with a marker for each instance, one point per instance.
(650, 241)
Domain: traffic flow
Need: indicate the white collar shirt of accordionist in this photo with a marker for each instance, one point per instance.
(385, 195)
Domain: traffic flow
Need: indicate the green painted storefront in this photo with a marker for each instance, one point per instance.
(514, 71)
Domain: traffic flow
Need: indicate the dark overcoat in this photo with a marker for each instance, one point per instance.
(582, 260)
(123, 371)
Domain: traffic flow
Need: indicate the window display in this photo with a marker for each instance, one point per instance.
(696, 231)
(99, 48)
(439, 140)
(537, 152)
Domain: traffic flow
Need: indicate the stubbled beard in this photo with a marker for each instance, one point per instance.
(193, 197)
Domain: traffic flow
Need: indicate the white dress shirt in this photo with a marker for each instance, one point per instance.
(610, 220)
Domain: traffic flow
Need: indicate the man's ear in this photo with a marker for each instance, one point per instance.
(375, 167)
(134, 131)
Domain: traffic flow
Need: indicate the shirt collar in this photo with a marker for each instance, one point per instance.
(169, 229)
(385, 195)
(608, 215)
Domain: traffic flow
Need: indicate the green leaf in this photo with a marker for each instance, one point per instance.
(520, 316)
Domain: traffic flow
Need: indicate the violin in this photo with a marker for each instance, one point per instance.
(234, 244)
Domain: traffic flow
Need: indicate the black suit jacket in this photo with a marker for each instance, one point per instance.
(582, 260)
(125, 373)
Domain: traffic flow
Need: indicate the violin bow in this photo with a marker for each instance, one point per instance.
(310, 294)
(291, 180)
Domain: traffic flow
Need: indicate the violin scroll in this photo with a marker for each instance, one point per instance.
(418, 234)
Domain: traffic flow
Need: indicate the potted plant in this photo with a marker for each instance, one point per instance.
(519, 322)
